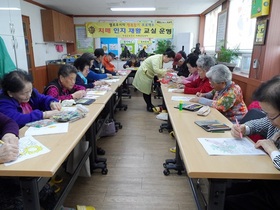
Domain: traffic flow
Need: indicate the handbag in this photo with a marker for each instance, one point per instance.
(108, 129)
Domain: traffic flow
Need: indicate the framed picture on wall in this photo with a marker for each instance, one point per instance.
(261, 28)
(221, 30)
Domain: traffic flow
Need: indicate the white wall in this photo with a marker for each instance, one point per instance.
(181, 24)
(46, 51)
(42, 51)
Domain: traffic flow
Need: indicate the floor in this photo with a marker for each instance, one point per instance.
(135, 177)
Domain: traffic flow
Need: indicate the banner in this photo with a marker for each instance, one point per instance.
(130, 29)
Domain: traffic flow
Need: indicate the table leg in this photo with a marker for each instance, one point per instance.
(30, 193)
(216, 196)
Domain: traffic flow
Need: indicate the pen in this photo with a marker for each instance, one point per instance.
(240, 133)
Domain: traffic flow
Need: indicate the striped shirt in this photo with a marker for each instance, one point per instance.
(264, 125)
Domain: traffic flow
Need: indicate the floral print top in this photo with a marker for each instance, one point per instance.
(228, 101)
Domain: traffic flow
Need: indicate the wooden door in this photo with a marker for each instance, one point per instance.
(28, 43)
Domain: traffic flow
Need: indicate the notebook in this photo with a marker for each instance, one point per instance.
(85, 101)
(212, 125)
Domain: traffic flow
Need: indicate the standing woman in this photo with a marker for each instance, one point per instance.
(152, 66)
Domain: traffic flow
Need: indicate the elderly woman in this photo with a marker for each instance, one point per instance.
(23, 103)
(151, 66)
(132, 62)
(64, 88)
(9, 135)
(226, 96)
(92, 75)
(192, 69)
(83, 65)
(261, 194)
(201, 84)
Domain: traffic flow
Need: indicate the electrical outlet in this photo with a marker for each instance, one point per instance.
(255, 63)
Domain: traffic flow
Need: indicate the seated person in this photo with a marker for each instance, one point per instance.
(106, 62)
(201, 84)
(180, 64)
(82, 66)
(142, 55)
(97, 66)
(64, 87)
(226, 96)
(192, 69)
(125, 55)
(92, 75)
(23, 103)
(132, 62)
(9, 135)
(261, 194)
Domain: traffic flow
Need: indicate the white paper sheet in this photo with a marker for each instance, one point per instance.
(112, 80)
(229, 146)
(50, 129)
(29, 148)
(181, 98)
(96, 93)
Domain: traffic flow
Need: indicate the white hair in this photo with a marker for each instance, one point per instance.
(219, 73)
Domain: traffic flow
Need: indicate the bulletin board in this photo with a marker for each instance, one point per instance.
(83, 43)
(221, 30)
(109, 45)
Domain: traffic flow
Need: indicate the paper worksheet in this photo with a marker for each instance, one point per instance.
(29, 148)
(50, 129)
(181, 98)
(229, 146)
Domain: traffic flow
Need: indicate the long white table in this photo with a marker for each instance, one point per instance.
(217, 169)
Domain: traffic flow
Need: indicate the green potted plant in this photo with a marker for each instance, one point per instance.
(162, 45)
(226, 56)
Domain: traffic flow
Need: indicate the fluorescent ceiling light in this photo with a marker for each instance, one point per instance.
(133, 9)
(9, 8)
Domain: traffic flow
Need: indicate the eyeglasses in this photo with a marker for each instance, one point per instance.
(272, 118)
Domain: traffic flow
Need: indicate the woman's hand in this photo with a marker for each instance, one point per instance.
(199, 94)
(110, 76)
(49, 114)
(79, 94)
(267, 144)
(10, 138)
(55, 105)
(236, 129)
(195, 99)
(8, 152)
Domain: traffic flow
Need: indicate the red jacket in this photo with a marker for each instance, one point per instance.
(198, 85)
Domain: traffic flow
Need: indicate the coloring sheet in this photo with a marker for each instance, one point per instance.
(50, 129)
(181, 98)
(29, 148)
(229, 146)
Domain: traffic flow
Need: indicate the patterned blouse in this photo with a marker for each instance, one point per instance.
(228, 101)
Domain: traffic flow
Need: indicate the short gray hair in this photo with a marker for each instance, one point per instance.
(205, 62)
(219, 73)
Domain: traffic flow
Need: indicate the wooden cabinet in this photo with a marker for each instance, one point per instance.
(11, 32)
(57, 27)
(52, 71)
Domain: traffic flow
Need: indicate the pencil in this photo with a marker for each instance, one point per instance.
(240, 133)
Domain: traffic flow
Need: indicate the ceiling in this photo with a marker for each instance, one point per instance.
(102, 7)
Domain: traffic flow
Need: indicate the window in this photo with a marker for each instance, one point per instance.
(211, 29)
(240, 27)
